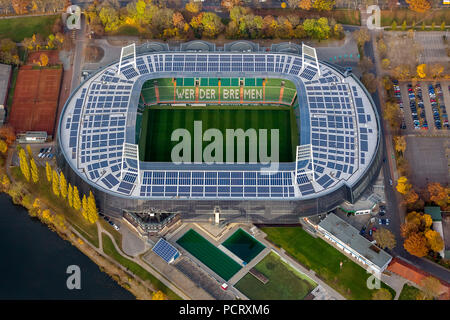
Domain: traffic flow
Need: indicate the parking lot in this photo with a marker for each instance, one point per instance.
(425, 106)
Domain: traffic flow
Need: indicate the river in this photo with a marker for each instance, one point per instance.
(34, 260)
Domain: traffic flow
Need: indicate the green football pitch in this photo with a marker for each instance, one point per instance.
(207, 253)
(159, 122)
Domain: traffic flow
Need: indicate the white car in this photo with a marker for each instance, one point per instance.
(116, 227)
(40, 154)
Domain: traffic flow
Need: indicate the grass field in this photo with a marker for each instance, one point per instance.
(409, 293)
(110, 250)
(285, 283)
(207, 253)
(243, 245)
(318, 255)
(400, 15)
(159, 122)
(17, 29)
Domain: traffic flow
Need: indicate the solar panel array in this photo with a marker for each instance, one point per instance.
(165, 250)
(338, 124)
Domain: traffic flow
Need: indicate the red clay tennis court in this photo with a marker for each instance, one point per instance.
(36, 99)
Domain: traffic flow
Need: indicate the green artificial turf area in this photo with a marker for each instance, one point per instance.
(17, 29)
(207, 253)
(324, 259)
(159, 122)
(285, 283)
(243, 245)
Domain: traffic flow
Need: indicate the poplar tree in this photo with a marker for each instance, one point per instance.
(24, 167)
(84, 210)
(48, 171)
(55, 183)
(76, 199)
(34, 171)
(70, 195)
(63, 185)
(92, 209)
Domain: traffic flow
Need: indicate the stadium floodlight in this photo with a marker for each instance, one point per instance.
(304, 153)
(309, 58)
(125, 53)
(130, 160)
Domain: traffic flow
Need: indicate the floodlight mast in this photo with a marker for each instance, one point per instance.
(125, 53)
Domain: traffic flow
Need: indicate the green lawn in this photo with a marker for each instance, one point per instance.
(285, 283)
(409, 293)
(159, 123)
(207, 253)
(110, 250)
(318, 255)
(19, 28)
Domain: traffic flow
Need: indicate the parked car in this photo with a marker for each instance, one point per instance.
(384, 222)
(116, 227)
(363, 231)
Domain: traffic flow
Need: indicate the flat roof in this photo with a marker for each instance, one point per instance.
(5, 73)
(349, 235)
(434, 212)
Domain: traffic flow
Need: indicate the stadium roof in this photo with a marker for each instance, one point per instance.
(350, 236)
(336, 117)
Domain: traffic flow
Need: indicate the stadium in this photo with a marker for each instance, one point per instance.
(114, 133)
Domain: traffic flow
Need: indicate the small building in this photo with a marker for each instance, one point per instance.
(5, 76)
(166, 251)
(32, 137)
(347, 238)
(436, 216)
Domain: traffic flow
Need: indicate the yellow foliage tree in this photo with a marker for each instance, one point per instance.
(193, 7)
(92, 210)
(416, 244)
(55, 183)
(402, 185)
(76, 199)
(419, 5)
(3, 146)
(24, 167)
(5, 182)
(63, 185)
(70, 195)
(400, 144)
(438, 194)
(43, 58)
(434, 240)
(84, 207)
(30, 153)
(48, 171)
(421, 70)
(34, 171)
(158, 295)
(426, 221)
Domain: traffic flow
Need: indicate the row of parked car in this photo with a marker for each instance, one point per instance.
(107, 219)
(45, 153)
(398, 97)
(437, 104)
(413, 106)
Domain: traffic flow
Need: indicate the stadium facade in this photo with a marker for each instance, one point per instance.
(339, 150)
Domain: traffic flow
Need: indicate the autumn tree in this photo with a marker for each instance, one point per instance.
(3, 146)
(48, 171)
(84, 207)
(293, 3)
(20, 6)
(193, 7)
(230, 4)
(434, 240)
(370, 81)
(63, 185)
(8, 134)
(430, 287)
(382, 294)
(436, 70)
(70, 195)
(92, 211)
(76, 199)
(392, 114)
(55, 183)
(402, 185)
(24, 166)
(400, 144)
(416, 244)
(323, 5)
(384, 238)
(385, 63)
(43, 60)
(317, 29)
(34, 171)
(438, 194)
(365, 64)
(421, 70)
(419, 5)
(412, 200)
(159, 295)
(109, 18)
(305, 4)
